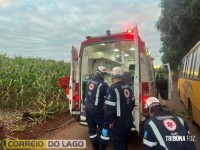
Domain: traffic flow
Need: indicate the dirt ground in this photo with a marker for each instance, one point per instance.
(63, 127)
(25, 130)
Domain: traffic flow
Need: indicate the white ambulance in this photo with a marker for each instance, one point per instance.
(128, 51)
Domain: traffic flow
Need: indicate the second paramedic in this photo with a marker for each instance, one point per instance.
(119, 105)
(96, 93)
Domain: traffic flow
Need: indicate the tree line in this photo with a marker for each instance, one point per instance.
(179, 25)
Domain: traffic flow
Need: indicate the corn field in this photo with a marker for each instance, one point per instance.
(31, 83)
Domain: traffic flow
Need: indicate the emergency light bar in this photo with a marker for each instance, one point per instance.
(111, 36)
(88, 37)
(130, 31)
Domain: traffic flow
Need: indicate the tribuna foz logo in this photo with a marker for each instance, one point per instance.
(180, 138)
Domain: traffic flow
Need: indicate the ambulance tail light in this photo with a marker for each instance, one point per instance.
(76, 96)
(145, 95)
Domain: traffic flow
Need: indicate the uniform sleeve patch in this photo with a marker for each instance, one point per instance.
(126, 93)
(91, 86)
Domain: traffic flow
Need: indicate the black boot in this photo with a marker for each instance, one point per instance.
(95, 144)
(103, 146)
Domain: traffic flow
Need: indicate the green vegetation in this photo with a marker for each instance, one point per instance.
(32, 84)
(179, 25)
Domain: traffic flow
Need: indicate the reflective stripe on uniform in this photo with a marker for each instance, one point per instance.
(149, 143)
(97, 94)
(110, 103)
(105, 137)
(158, 135)
(118, 103)
(181, 120)
(93, 136)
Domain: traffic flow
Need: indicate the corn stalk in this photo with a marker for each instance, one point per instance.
(25, 81)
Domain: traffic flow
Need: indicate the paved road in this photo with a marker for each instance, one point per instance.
(75, 131)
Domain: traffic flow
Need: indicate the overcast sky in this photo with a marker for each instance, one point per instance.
(48, 28)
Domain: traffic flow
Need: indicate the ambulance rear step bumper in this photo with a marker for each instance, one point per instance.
(83, 123)
(133, 128)
(82, 120)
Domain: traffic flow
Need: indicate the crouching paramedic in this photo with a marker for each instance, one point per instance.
(119, 105)
(164, 131)
(95, 99)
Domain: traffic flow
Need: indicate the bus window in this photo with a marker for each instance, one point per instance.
(185, 67)
(189, 59)
(196, 70)
(190, 65)
(181, 69)
(193, 64)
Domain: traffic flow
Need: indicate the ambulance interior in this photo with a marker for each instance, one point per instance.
(110, 54)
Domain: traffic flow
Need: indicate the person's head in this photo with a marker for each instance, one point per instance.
(101, 71)
(153, 106)
(117, 74)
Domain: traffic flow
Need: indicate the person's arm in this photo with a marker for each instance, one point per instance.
(149, 139)
(184, 124)
(132, 102)
(110, 112)
(190, 145)
(105, 90)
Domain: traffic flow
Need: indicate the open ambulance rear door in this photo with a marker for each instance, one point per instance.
(164, 82)
(137, 80)
(74, 105)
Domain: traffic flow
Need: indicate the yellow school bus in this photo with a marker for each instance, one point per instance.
(189, 82)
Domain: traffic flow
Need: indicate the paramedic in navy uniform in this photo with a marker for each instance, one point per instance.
(119, 105)
(96, 93)
(164, 131)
